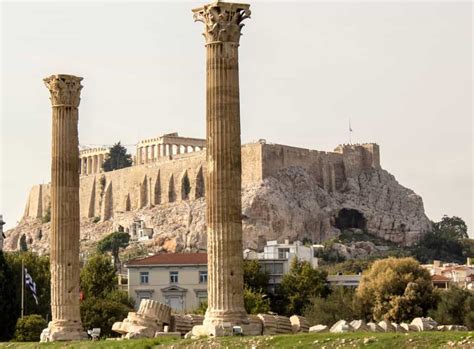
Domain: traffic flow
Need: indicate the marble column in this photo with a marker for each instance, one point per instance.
(64, 241)
(152, 153)
(223, 23)
(139, 155)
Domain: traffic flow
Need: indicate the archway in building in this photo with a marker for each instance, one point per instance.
(350, 218)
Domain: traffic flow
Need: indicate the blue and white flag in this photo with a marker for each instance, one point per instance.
(31, 284)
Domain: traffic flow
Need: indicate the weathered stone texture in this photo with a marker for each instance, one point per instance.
(66, 319)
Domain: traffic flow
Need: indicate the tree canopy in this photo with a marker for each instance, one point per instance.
(98, 276)
(254, 277)
(10, 289)
(117, 158)
(447, 242)
(299, 286)
(395, 290)
(103, 303)
(455, 307)
(113, 243)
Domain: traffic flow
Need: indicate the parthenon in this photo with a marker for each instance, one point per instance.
(91, 160)
(150, 150)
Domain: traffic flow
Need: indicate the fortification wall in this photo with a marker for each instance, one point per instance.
(182, 177)
(176, 178)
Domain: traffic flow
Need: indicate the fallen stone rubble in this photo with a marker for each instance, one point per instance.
(154, 319)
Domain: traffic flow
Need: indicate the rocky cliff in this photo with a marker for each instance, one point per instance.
(287, 205)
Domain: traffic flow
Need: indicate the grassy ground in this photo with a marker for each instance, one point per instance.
(421, 340)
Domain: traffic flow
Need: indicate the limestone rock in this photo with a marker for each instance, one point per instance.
(425, 324)
(290, 204)
(299, 324)
(342, 326)
(319, 328)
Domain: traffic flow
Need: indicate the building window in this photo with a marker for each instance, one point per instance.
(203, 277)
(278, 268)
(283, 253)
(173, 277)
(143, 277)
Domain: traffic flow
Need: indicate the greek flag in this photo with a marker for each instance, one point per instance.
(31, 284)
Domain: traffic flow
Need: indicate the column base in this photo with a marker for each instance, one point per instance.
(63, 331)
(221, 323)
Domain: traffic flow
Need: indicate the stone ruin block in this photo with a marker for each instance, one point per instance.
(399, 327)
(425, 324)
(408, 327)
(254, 327)
(318, 328)
(283, 324)
(387, 326)
(373, 327)
(452, 328)
(181, 323)
(359, 326)
(149, 319)
(269, 323)
(299, 324)
(196, 319)
(342, 326)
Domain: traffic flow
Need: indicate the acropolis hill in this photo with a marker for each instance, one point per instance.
(287, 193)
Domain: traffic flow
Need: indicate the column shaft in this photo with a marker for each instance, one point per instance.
(223, 199)
(64, 249)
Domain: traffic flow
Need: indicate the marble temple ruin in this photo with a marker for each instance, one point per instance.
(223, 22)
(64, 242)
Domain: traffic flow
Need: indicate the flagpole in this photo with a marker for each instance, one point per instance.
(22, 286)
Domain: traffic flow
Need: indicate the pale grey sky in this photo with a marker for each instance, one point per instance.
(402, 71)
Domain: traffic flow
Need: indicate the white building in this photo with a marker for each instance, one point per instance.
(276, 258)
(176, 279)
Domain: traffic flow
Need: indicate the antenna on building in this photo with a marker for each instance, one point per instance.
(350, 131)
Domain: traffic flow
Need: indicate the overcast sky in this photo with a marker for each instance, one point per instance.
(401, 71)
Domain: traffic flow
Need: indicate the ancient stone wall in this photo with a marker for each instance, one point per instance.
(181, 177)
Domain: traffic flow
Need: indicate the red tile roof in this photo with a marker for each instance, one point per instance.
(170, 259)
(440, 278)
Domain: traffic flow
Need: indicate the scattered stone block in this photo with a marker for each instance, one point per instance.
(409, 327)
(283, 324)
(373, 327)
(386, 326)
(425, 324)
(342, 326)
(269, 324)
(359, 326)
(181, 323)
(299, 324)
(168, 334)
(318, 328)
(254, 327)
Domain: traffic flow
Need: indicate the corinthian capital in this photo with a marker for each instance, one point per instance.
(65, 90)
(223, 21)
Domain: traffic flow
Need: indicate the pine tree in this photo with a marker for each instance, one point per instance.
(117, 158)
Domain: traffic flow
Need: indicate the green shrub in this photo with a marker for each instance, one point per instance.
(29, 328)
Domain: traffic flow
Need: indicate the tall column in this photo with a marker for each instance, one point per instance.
(223, 22)
(146, 154)
(159, 150)
(139, 155)
(66, 318)
(152, 152)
